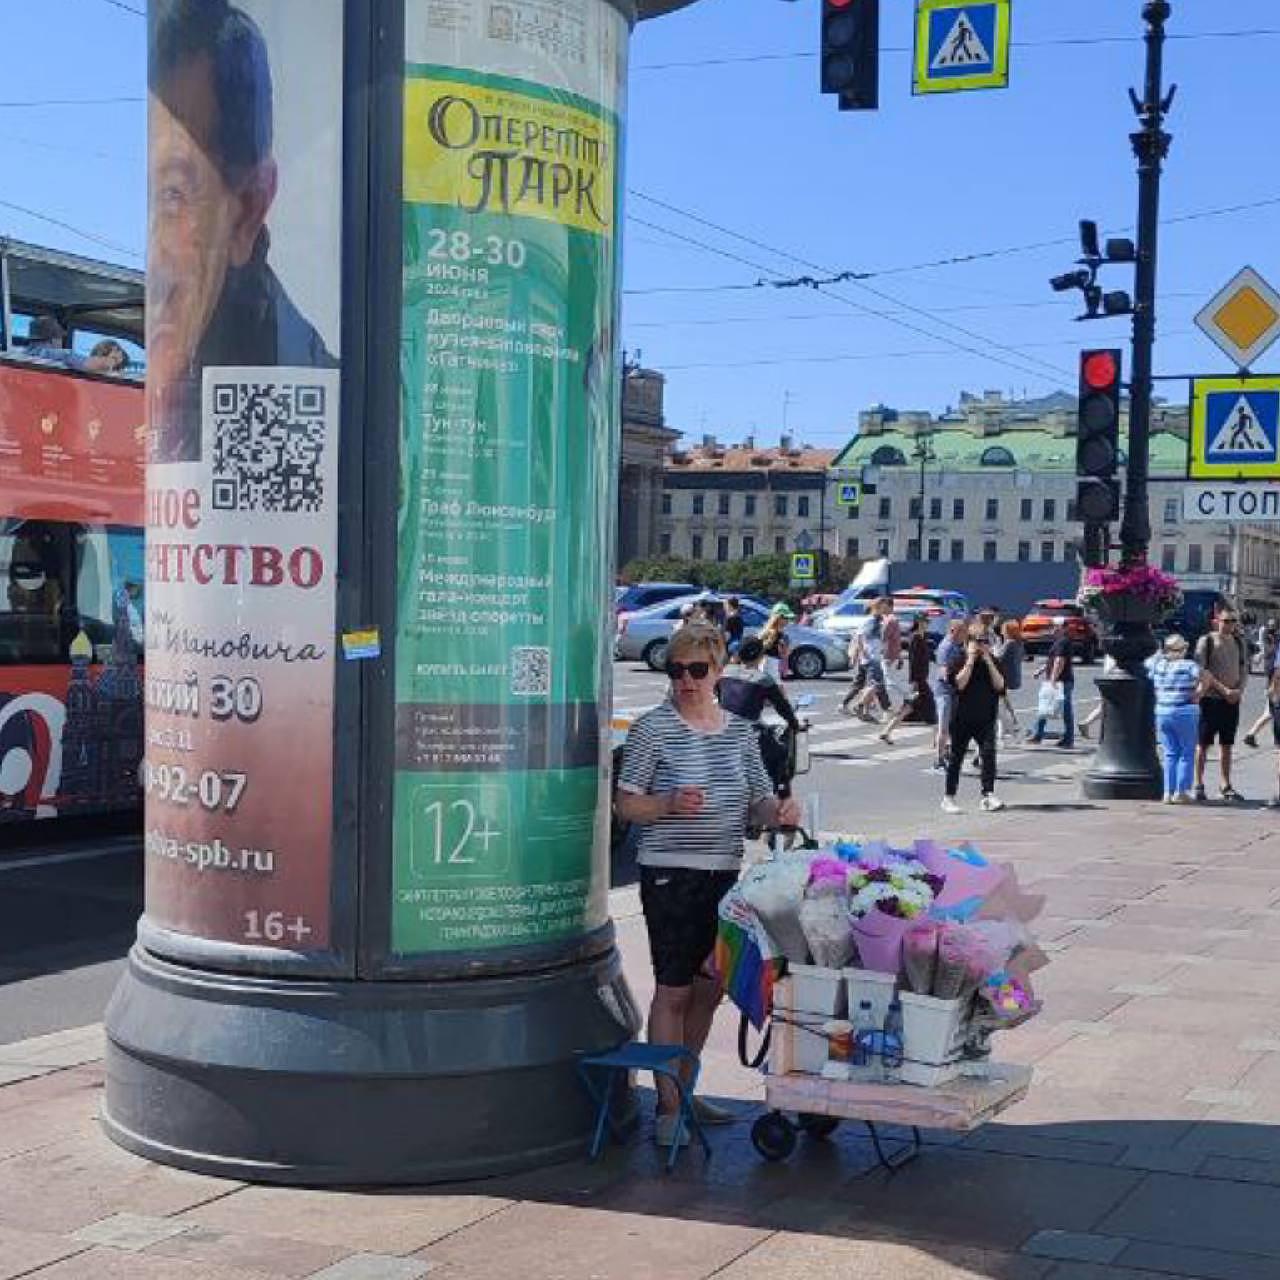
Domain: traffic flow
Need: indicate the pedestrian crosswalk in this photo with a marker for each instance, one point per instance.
(838, 742)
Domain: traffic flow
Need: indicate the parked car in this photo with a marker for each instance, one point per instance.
(643, 637)
(1039, 625)
(938, 608)
(642, 595)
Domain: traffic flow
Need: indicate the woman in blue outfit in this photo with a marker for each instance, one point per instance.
(1178, 683)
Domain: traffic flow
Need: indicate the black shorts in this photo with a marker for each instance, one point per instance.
(681, 914)
(1219, 722)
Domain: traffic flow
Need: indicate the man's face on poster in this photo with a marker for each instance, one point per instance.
(201, 224)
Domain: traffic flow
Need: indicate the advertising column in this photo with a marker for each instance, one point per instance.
(241, 509)
(508, 460)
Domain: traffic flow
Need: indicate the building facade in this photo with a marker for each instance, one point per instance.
(734, 502)
(646, 443)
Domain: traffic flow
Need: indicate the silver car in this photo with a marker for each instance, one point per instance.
(643, 637)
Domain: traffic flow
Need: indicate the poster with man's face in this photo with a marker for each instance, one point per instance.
(243, 306)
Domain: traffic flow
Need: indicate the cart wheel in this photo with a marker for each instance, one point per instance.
(773, 1137)
(817, 1126)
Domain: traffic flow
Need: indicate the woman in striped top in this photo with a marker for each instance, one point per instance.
(1178, 683)
(691, 778)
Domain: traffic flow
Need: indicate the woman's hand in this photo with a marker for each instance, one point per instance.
(789, 814)
(686, 802)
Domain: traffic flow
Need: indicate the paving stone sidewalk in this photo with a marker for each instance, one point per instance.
(1148, 1146)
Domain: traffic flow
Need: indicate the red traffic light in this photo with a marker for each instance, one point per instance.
(1100, 370)
(838, 4)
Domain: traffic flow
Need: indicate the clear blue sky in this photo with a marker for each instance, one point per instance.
(754, 147)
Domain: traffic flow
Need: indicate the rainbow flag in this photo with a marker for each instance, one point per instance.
(744, 960)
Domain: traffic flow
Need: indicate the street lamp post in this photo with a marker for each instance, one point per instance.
(1126, 766)
(924, 454)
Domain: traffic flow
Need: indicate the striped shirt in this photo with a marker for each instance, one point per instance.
(663, 752)
(1175, 681)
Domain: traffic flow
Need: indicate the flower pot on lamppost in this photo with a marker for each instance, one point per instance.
(1127, 602)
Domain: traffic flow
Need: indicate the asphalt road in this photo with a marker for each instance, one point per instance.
(67, 913)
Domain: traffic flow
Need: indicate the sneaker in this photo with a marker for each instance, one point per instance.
(950, 806)
(1250, 741)
(1198, 795)
(1184, 797)
(1083, 731)
(991, 804)
(669, 1130)
(1066, 744)
(939, 766)
(1169, 799)
(1231, 796)
(712, 1112)
(886, 738)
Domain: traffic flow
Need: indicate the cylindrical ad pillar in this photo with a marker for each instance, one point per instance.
(384, 418)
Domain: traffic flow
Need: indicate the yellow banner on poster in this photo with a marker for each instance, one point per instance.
(494, 149)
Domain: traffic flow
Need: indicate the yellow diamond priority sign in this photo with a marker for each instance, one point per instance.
(1243, 318)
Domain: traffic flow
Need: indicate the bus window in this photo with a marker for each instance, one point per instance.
(35, 617)
(109, 582)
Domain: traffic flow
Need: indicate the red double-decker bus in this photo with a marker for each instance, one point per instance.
(71, 544)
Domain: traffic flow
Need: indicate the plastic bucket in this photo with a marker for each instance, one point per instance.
(799, 1042)
(933, 1034)
(867, 984)
(816, 990)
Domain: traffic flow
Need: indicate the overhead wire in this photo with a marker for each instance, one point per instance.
(67, 226)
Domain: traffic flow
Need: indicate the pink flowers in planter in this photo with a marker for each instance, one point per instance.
(1140, 581)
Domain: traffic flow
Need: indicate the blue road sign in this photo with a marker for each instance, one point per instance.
(961, 44)
(804, 566)
(1235, 427)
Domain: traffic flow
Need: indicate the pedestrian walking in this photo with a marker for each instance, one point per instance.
(1059, 673)
(773, 635)
(1011, 653)
(976, 677)
(944, 692)
(734, 626)
(1223, 655)
(918, 706)
(692, 778)
(1178, 684)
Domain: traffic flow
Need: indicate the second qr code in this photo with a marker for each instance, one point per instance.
(530, 671)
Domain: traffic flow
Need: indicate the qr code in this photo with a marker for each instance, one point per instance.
(268, 445)
(530, 671)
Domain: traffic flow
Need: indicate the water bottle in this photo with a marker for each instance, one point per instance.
(892, 1053)
(865, 1034)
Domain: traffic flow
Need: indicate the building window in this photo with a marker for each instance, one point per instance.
(802, 505)
(664, 544)
(1050, 509)
(749, 506)
(882, 548)
(851, 548)
(1026, 508)
(1024, 552)
(699, 503)
(779, 504)
(915, 509)
(780, 545)
(935, 548)
(888, 456)
(1171, 511)
(722, 548)
(748, 546)
(1073, 511)
(1046, 550)
(697, 546)
(957, 548)
(1195, 558)
(886, 510)
(1222, 559)
(989, 551)
(957, 509)
(666, 504)
(723, 505)
(935, 508)
(997, 456)
(913, 549)
(1169, 557)
(993, 508)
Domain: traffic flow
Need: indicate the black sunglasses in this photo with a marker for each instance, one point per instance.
(698, 670)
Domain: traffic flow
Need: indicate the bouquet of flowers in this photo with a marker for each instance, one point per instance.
(888, 890)
(1139, 581)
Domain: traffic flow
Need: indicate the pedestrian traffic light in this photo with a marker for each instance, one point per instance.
(1098, 437)
(851, 52)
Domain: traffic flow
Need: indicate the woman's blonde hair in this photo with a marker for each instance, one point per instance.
(697, 638)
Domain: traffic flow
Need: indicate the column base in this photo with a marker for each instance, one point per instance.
(1126, 765)
(316, 1083)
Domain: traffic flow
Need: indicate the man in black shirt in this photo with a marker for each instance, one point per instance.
(734, 626)
(1059, 669)
(975, 675)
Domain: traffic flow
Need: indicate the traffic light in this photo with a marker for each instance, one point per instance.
(851, 52)
(1098, 441)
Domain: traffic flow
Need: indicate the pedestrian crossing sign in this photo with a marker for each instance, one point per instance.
(1235, 428)
(962, 44)
(849, 494)
(804, 566)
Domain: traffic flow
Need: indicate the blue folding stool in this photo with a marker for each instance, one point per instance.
(599, 1071)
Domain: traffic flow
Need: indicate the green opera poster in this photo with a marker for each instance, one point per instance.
(509, 436)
